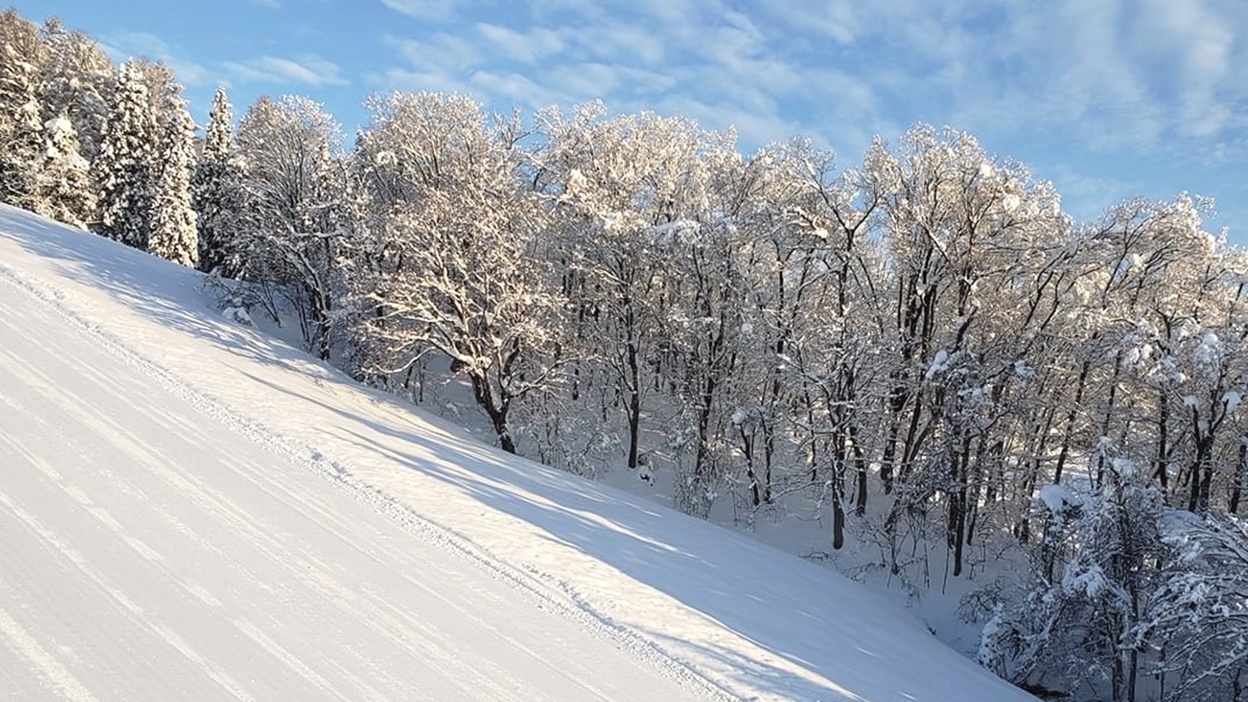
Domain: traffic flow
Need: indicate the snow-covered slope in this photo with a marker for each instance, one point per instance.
(192, 510)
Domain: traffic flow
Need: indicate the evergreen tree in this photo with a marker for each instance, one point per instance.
(219, 139)
(64, 182)
(20, 126)
(123, 169)
(75, 82)
(216, 192)
(173, 234)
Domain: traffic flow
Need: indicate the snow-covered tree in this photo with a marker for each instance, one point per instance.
(962, 233)
(614, 181)
(1085, 629)
(1202, 611)
(173, 234)
(21, 124)
(76, 82)
(293, 188)
(217, 192)
(705, 328)
(64, 182)
(123, 169)
(816, 323)
(1164, 324)
(452, 269)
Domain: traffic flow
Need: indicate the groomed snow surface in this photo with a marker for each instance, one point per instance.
(190, 510)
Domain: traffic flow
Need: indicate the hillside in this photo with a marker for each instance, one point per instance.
(193, 510)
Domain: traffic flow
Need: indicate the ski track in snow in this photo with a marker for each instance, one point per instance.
(348, 549)
(106, 588)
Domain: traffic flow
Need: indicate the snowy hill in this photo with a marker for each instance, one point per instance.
(192, 510)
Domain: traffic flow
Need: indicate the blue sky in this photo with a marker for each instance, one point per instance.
(1106, 98)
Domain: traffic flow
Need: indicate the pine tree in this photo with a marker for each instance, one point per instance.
(123, 169)
(219, 139)
(173, 234)
(21, 142)
(75, 82)
(216, 192)
(64, 182)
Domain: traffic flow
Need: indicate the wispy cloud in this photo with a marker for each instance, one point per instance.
(305, 70)
(122, 46)
(1125, 75)
(527, 47)
(442, 52)
(417, 81)
(438, 10)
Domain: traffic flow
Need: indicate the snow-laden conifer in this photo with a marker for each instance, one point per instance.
(123, 172)
(216, 192)
(64, 180)
(21, 140)
(75, 81)
(173, 235)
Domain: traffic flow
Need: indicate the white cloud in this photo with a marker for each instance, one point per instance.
(751, 128)
(1087, 196)
(399, 79)
(120, 47)
(1124, 75)
(678, 13)
(513, 89)
(443, 52)
(1194, 48)
(594, 80)
(438, 10)
(306, 70)
(621, 43)
(833, 20)
(527, 47)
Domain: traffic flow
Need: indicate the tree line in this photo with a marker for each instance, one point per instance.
(924, 345)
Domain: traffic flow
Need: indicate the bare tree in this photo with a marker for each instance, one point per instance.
(451, 266)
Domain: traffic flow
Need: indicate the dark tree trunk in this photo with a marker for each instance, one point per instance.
(496, 410)
(1241, 476)
(860, 467)
(634, 405)
(838, 517)
(958, 504)
(1163, 442)
(1068, 434)
(633, 372)
(1202, 468)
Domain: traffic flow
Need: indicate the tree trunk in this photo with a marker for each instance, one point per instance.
(634, 405)
(860, 464)
(496, 410)
(1202, 475)
(1163, 442)
(747, 448)
(1068, 434)
(701, 463)
(1241, 476)
(958, 505)
(838, 516)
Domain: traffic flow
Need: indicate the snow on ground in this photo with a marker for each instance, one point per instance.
(193, 510)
